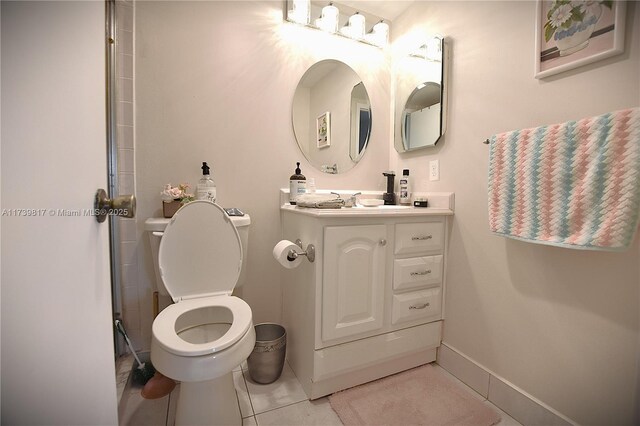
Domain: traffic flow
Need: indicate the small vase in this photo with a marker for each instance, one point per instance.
(169, 208)
(577, 36)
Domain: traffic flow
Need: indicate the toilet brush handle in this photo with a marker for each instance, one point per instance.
(120, 328)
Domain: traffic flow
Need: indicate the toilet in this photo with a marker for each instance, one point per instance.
(207, 332)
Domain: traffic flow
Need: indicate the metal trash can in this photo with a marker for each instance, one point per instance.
(267, 359)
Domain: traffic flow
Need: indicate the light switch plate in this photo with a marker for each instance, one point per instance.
(434, 170)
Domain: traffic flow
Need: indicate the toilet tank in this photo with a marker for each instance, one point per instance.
(155, 227)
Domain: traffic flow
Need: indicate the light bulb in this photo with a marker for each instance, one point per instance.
(329, 18)
(300, 12)
(357, 22)
(379, 36)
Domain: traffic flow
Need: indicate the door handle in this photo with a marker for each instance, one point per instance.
(123, 206)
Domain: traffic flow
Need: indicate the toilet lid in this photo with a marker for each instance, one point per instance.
(200, 252)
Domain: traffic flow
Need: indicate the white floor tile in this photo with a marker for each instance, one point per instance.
(242, 366)
(305, 413)
(249, 421)
(284, 391)
(140, 411)
(173, 405)
(243, 394)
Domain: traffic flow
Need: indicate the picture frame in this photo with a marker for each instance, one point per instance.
(323, 132)
(571, 34)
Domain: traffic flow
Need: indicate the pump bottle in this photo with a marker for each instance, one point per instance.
(206, 188)
(405, 188)
(297, 185)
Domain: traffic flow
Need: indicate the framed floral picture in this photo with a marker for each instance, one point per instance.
(324, 130)
(573, 33)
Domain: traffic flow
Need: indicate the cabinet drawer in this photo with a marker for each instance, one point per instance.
(415, 238)
(351, 357)
(417, 272)
(417, 305)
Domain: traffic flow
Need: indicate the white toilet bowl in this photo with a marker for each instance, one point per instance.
(201, 338)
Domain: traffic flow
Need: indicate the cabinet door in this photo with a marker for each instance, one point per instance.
(353, 280)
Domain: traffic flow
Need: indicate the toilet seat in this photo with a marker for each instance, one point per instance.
(200, 259)
(164, 326)
(200, 252)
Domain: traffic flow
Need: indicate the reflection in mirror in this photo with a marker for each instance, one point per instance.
(331, 116)
(421, 116)
(420, 105)
(360, 121)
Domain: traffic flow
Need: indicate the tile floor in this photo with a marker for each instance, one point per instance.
(280, 403)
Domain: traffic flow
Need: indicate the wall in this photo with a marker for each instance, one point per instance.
(560, 324)
(127, 279)
(215, 82)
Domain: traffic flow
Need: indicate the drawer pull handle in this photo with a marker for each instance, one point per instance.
(420, 306)
(428, 237)
(421, 273)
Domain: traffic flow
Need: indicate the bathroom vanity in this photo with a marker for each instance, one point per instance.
(371, 304)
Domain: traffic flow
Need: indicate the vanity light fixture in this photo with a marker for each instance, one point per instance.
(329, 21)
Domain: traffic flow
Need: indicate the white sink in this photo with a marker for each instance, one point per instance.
(396, 207)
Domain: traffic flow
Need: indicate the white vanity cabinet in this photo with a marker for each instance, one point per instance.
(353, 280)
(370, 305)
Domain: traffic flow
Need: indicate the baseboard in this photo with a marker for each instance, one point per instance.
(509, 398)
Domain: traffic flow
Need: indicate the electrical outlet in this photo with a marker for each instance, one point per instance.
(434, 170)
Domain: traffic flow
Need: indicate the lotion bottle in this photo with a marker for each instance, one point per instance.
(206, 188)
(297, 185)
(405, 188)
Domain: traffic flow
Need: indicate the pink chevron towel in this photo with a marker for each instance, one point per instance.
(575, 184)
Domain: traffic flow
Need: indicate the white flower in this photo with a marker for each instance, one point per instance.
(560, 15)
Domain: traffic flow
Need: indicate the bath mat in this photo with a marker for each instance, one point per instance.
(421, 396)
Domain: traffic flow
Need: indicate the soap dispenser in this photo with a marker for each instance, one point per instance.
(297, 185)
(389, 197)
(206, 188)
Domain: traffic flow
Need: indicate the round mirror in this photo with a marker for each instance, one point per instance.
(421, 117)
(331, 116)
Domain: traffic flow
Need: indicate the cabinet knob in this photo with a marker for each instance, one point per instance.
(383, 242)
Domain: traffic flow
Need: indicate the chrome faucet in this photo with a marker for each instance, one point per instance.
(351, 202)
(332, 170)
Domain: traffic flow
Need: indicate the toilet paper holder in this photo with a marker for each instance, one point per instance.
(310, 252)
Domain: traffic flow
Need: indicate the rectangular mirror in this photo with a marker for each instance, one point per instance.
(420, 97)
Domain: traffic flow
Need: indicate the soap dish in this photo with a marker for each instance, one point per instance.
(370, 202)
